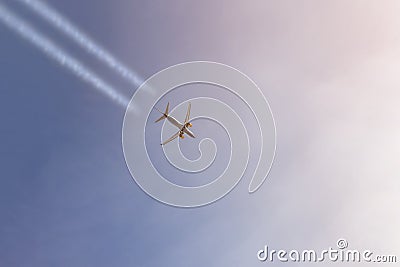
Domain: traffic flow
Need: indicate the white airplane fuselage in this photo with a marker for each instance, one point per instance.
(180, 126)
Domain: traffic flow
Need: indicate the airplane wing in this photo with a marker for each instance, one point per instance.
(187, 114)
(171, 138)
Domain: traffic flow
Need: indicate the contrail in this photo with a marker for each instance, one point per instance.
(65, 26)
(26, 31)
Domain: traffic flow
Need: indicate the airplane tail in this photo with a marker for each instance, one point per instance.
(165, 114)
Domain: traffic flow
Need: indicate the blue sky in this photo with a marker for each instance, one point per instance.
(329, 72)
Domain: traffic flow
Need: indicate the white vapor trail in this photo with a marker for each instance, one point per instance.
(65, 26)
(26, 31)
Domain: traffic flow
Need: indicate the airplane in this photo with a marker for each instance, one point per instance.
(183, 128)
